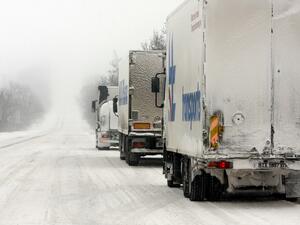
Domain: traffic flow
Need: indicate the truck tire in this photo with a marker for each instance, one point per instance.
(292, 199)
(121, 147)
(186, 177)
(214, 188)
(125, 149)
(133, 159)
(198, 188)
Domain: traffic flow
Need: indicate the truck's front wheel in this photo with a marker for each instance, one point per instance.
(214, 188)
(186, 177)
(122, 146)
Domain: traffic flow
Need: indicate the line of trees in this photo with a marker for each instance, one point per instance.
(19, 107)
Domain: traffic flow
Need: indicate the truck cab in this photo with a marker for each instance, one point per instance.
(106, 121)
(107, 136)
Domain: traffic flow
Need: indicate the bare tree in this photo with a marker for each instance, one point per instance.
(157, 41)
(113, 73)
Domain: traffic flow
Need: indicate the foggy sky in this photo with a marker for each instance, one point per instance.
(67, 40)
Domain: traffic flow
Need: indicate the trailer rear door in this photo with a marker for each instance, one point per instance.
(238, 71)
(286, 55)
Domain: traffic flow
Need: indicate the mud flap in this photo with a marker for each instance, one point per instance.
(293, 185)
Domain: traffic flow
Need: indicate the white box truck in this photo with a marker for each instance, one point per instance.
(107, 136)
(232, 108)
(139, 120)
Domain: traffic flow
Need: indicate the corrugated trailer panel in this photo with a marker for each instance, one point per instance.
(143, 66)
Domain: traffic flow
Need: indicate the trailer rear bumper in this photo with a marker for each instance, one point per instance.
(269, 175)
(146, 144)
(145, 151)
(279, 181)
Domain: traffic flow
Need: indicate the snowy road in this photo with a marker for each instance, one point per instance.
(60, 179)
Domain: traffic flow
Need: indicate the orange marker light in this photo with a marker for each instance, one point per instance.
(141, 126)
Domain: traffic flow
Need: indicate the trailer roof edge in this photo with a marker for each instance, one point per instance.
(177, 9)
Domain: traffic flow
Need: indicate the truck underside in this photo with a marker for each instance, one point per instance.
(213, 178)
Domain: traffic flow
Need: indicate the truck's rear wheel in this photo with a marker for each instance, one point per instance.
(214, 188)
(198, 188)
(133, 159)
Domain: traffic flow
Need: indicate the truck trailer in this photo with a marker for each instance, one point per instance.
(107, 136)
(232, 106)
(140, 123)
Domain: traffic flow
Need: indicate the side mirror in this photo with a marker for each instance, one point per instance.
(94, 103)
(115, 105)
(155, 83)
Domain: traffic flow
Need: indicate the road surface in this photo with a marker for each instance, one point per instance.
(59, 178)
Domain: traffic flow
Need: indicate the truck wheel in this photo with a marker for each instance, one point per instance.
(121, 147)
(133, 159)
(292, 199)
(198, 188)
(125, 149)
(186, 178)
(186, 189)
(214, 188)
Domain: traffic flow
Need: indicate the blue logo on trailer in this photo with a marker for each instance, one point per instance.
(123, 93)
(191, 106)
(172, 76)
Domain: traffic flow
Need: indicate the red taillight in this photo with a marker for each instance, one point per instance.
(220, 165)
(138, 145)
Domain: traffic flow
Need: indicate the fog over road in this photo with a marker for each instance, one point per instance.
(58, 178)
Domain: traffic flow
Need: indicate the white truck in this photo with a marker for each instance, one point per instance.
(232, 108)
(139, 121)
(107, 136)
